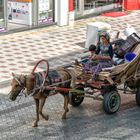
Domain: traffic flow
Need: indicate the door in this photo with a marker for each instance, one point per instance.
(45, 11)
(42, 12)
(3, 15)
(1, 9)
(78, 7)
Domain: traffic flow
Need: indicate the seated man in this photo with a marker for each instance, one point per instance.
(101, 58)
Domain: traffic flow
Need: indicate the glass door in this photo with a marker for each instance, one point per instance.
(78, 7)
(42, 12)
(1, 9)
(2, 16)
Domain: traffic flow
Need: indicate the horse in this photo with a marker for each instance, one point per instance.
(63, 77)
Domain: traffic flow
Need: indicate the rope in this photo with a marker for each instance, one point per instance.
(58, 83)
(39, 88)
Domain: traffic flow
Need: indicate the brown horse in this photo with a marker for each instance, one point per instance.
(28, 82)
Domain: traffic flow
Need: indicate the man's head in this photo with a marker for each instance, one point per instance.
(92, 48)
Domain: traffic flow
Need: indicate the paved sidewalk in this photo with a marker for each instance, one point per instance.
(86, 122)
(20, 51)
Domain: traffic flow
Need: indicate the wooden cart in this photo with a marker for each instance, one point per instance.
(107, 85)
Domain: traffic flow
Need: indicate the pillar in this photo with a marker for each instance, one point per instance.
(71, 13)
(62, 12)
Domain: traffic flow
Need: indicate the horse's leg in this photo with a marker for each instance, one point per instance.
(41, 104)
(66, 102)
(35, 123)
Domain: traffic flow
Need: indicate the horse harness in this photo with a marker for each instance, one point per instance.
(53, 79)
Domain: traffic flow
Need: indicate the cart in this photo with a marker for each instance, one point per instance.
(124, 77)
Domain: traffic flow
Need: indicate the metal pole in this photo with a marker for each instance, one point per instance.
(5, 14)
(122, 5)
(35, 12)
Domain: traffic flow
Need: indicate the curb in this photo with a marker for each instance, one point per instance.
(4, 84)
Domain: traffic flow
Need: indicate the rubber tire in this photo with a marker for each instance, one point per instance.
(75, 100)
(107, 99)
(138, 96)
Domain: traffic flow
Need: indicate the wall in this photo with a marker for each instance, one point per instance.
(131, 4)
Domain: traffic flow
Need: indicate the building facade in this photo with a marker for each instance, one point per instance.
(35, 13)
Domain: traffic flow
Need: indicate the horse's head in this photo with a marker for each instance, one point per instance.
(19, 83)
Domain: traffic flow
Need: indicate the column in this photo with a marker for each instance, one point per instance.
(81, 6)
(62, 12)
(5, 14)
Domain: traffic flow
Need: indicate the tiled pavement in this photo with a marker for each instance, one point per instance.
(87, 122)
(20, 51)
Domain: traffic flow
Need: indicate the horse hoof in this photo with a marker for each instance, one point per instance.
(34, 124)
(47, 117)
(63, 117)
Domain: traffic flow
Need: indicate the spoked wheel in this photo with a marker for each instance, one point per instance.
(138, 96)
(75, 99)
(111, 102)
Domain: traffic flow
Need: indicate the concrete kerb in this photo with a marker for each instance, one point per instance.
(5, 83)
(5, 87)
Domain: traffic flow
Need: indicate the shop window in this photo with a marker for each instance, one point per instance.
(46, 11)
(1, 9)
(103, 2)
(90, 4)
(76, 5)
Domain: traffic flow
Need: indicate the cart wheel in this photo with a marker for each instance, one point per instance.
(138, 96)
(111, 102)
(76, 100)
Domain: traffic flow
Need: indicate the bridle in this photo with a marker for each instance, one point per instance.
(22, 84)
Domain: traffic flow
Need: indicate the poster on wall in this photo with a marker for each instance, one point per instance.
(19, 11)
(43, 5)
(44, 11)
